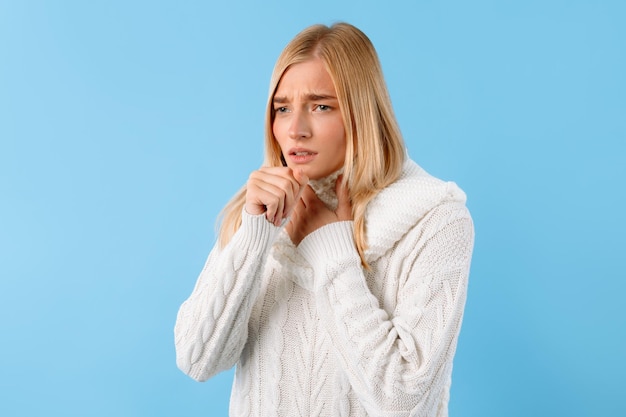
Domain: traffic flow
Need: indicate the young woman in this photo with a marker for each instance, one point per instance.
(339, 280)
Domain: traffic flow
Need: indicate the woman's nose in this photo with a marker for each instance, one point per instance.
(300, 127)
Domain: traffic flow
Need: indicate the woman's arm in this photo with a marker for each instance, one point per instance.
(212, 324)
(397, 362)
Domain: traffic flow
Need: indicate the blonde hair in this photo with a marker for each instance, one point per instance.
(374, 147)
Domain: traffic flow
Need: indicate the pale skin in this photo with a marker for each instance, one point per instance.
(308, 126)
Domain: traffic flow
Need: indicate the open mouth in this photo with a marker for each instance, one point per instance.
(301, 156)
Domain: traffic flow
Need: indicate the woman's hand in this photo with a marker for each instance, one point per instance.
(310, 213)
(274, 191)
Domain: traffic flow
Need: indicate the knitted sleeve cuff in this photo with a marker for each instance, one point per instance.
(333, 241)
(255, 232)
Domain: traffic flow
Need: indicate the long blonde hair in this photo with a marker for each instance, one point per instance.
(374, 147)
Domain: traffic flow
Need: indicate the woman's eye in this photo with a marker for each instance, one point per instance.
(280, 109)
(323, 107)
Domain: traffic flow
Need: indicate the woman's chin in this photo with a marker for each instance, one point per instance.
(313, 172)
(320, 174)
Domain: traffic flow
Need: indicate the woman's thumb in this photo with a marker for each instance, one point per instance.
(301, 177)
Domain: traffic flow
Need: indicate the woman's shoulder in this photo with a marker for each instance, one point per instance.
(402, 204)
(416, 186)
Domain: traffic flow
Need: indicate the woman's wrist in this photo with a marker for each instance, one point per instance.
(332, 241)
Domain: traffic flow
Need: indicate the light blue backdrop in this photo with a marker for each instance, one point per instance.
(126, 125)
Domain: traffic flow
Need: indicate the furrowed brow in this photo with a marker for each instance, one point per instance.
(308, 97)
(315, 97)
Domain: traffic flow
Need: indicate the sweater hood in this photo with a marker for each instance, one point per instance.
(402, 204)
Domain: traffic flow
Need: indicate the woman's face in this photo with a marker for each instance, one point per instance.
(308, 124)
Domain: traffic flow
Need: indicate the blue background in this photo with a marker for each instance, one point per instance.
(125, 126)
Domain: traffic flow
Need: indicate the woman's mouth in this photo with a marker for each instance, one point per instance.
(301, 156)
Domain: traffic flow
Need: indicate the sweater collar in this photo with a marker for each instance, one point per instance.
(398, 207)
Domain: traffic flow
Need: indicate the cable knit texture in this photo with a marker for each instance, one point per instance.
(314, 334)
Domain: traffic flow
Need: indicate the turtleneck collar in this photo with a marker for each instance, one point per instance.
(325, 189)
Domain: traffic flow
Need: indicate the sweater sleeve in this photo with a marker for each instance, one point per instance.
(212, 324)
(398, 362)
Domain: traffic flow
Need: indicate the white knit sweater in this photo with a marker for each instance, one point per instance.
(313, 333)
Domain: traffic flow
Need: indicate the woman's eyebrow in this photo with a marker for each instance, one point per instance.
(309, 97)
(314, 97)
